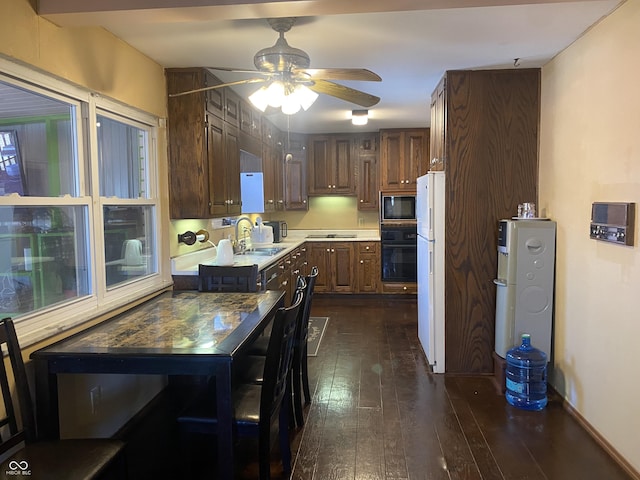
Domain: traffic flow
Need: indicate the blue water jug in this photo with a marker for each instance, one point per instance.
(526, 376)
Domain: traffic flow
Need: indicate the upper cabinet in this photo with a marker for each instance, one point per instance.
(225, 174)
(250, 120)
(295, 172)
(272, 167)
(206, 131)
(204, 147)
(403, 158)
(366, 152)
(331, 165)
(438, 120)
(190, 144)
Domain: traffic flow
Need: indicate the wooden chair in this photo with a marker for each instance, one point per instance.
(300, 370)
(213, 278)
(257, 406)
(250, 368)
(61, 459)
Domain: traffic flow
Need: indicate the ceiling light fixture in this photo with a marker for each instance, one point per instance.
(289, 97)
(359, 117)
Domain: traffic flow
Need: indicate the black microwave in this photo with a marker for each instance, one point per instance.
(397, 208)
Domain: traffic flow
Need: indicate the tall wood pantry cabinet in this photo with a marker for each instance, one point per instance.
(485, 133)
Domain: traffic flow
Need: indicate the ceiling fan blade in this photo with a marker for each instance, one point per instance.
(361, 74)
(238, 70)
(222, 85)
(344, 93)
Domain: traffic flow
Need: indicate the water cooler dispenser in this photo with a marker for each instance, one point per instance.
(525, 287)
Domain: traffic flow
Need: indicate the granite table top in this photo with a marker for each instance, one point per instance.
(177, 323)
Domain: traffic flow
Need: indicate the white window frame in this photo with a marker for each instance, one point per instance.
(41, 324)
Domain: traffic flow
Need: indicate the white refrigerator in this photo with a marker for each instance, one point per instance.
(430, 205)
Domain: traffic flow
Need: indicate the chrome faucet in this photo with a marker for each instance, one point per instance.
(241, 242)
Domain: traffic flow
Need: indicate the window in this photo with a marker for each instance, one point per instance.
(129, 242)
(78, 205)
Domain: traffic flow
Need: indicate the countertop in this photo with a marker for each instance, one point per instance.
(187, 264)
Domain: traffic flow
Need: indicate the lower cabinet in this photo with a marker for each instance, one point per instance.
(335, 261)
(368, 267)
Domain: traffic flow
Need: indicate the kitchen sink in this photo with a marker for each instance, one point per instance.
(263, 251)
(332, 235)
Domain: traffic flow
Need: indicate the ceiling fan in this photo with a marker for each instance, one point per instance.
(288, 81)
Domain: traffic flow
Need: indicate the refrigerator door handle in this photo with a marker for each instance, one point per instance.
(500, 282)
(430, 262)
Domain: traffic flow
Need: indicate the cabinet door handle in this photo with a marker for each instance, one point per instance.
(332, 250)
(366, 248)
(361, 261)
(328, 249)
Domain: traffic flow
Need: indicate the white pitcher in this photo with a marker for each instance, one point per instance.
(224, 253)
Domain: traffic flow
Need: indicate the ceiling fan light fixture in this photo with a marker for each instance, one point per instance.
(260, 99)
(305, 96)
(290, 104)
(275, 94)
(359, 117)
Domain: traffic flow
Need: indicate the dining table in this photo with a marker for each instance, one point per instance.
(181, 333)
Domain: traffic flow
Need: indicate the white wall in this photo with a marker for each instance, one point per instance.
(590, 151)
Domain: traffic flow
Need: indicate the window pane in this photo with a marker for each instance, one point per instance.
(122, 155)
(38, 144)
(43, 257)
(129, 242)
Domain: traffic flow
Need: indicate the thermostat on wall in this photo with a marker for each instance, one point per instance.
(613, 222)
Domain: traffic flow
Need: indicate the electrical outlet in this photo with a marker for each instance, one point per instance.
(361, 221)
(95, 398)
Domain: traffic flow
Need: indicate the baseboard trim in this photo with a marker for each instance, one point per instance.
(600, 440)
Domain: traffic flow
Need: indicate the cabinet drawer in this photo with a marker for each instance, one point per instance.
(400, 288)
(368, 247)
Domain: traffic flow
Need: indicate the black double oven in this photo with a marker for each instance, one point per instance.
(399, 237)
(399, 252)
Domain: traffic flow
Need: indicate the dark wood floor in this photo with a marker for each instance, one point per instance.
(378, 413)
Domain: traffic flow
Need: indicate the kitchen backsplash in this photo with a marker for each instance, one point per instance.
(325, 213)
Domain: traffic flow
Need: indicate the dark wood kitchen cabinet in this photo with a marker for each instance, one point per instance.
(368, 267)
(486, 129)
(335, 261)
(203, 148)
(438, 131)
(225, 175)
(403, 158)
(366, 153)
(295, 172)
(331, 165)
(250, 120)
(272, 167)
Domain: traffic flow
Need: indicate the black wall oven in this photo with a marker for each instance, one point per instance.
(399, 252)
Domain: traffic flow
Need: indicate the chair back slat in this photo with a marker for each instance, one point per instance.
(279, 356)
(27, 431)
(214, 278)
(303, 321)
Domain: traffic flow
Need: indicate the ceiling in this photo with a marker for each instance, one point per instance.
(409, 43)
